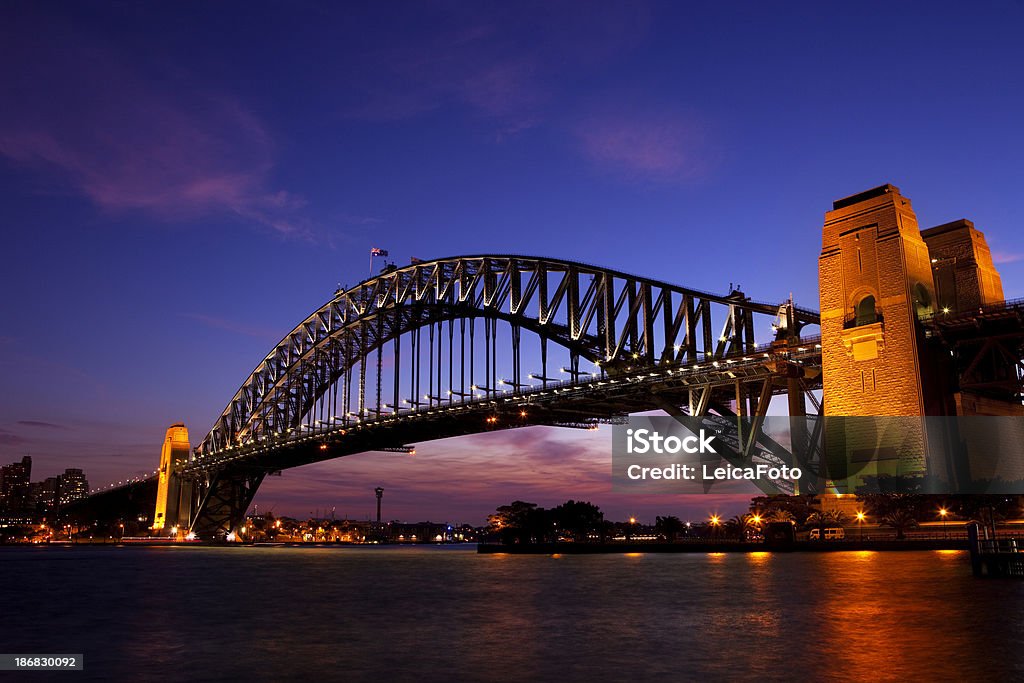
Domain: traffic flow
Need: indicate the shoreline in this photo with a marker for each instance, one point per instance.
(722, 547)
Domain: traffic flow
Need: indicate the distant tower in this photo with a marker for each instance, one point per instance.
(875, 282)
(173, 497)
(965, 276)
(380, 494)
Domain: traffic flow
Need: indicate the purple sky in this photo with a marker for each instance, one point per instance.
(181, 183)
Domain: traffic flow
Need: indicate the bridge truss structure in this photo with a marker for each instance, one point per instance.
(481, 343)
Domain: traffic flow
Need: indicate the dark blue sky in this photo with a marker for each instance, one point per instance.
(181, 183)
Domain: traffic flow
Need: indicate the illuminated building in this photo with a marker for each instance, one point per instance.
(172, 496)
(73, 486)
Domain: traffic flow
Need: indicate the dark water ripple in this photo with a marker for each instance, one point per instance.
(437, 614)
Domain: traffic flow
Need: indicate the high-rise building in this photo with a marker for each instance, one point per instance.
(46, 497)
(73, 486)
(15, 490)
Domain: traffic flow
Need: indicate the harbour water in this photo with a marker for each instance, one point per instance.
(448, 614)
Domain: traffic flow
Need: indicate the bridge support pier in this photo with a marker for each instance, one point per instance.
(224, 501)
(173, 493)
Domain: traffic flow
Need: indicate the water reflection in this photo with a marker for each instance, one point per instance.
(435, 614)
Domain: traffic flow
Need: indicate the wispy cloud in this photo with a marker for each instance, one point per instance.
(9, 438)
(500, 63)
(233, 326)
(646, 145)
(1006, 257)
(40, 424)
(171, 151)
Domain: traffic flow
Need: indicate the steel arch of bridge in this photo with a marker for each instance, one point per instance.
(326, 377)
(603, 316)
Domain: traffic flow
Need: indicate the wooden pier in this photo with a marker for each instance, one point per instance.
(991, 556)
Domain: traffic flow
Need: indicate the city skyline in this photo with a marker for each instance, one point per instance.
(165, 237)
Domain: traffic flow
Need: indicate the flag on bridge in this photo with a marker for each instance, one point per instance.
(378, 252)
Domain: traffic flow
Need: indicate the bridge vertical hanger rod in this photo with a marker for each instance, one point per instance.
(430, 368)
(347, 400)
(487, 357)
(705, 317)
(419, 353)
(412, 366)
(451, 361)
(606, 319)
(362, 371)
(690, 339)
(318, 405)
(648, 322)
(544, 360)
(751, 343)
(633, 331)
(440, 335)
(494, 356)
(462, 364)
(472, 354)
(517, 377)
(573, 302)
(396, 370)
(668, 327)
(380, 361)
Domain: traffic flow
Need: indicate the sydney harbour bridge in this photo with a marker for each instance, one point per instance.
(472, 344)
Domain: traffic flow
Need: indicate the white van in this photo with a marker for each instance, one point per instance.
(833, 533)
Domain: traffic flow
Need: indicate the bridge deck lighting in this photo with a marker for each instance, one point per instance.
(943, 512)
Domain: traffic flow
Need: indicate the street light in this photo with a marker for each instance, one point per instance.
(860, 522)
(942, 513)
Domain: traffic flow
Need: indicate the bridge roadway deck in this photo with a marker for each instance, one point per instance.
(582, 404)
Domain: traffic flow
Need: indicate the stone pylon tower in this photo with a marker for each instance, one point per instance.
(965, 276)
(875, 281)
(173, 497)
